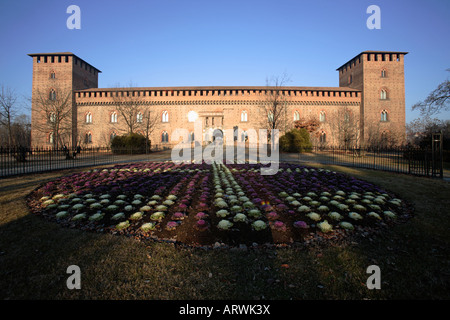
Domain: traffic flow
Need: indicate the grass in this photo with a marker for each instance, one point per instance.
(413, 257)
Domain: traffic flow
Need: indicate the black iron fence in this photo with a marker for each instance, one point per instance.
(19, 160)
(410, 160)
(22, 160)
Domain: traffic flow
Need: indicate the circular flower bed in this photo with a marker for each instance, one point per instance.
(201, 204)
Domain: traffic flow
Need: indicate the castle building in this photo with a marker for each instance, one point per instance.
(68, 108)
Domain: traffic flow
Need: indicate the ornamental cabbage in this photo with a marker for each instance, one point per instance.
(374, 215)
(300, 224)
(240, 217)
(259, 225)
(389, 214)
(346, 225)
(148, 226)
(222, 213)
(96, 217)
(303, 209)
(325, 226)
(136, 216)
(61, 214)
(313, 216)
(118, 216)
(96, 205)
(335, 216)
(355, 216)
(157, 216)
(123, 225)
(224, 225)
(79, 216)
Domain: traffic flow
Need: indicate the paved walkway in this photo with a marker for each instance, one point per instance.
(97, 159)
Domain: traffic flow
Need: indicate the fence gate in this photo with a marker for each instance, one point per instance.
(437, 156)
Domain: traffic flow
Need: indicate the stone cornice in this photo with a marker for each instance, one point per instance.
(221, 102)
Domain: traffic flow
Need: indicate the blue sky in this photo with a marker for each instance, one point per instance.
(214, 43)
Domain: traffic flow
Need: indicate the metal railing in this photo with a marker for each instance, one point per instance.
(409, 160)
(415, 161)
(21, 160)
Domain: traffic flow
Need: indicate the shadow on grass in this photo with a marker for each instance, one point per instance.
(413, 257)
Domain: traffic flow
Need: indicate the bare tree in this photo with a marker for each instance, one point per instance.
(311, 124)
(55, 108)
(437, 100)
(21, 130)
(273, 106)
(344, 125)
(8, 101)
(380, 136)
(419, 131)
(149, 122)
(129, 105)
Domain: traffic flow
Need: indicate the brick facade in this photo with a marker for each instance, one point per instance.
(95, 116)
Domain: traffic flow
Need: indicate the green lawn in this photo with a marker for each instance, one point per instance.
(413, 257)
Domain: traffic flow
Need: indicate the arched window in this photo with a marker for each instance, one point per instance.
(296, 115)
(244, 116)
(322, 116)
(88, 117)
(384, 116)
(52, 117)
(51, 138)
(164, 137)
(88, 138)
(270, 116)
(383, 73)
(383, 94)
(165, 116)
(52, 75)
(114, 117)
(139, 117)
(323, 137)
(52, 95)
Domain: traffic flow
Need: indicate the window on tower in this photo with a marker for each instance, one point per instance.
(52, 95)
(323, 137)
(139, 117)
(88, 138)
(165, 116)
(164, 137)
(88, 117)
(114, 117)
(322, 116)
(244, 116)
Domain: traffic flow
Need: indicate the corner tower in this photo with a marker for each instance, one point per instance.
(381, 78)
(53, 109)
